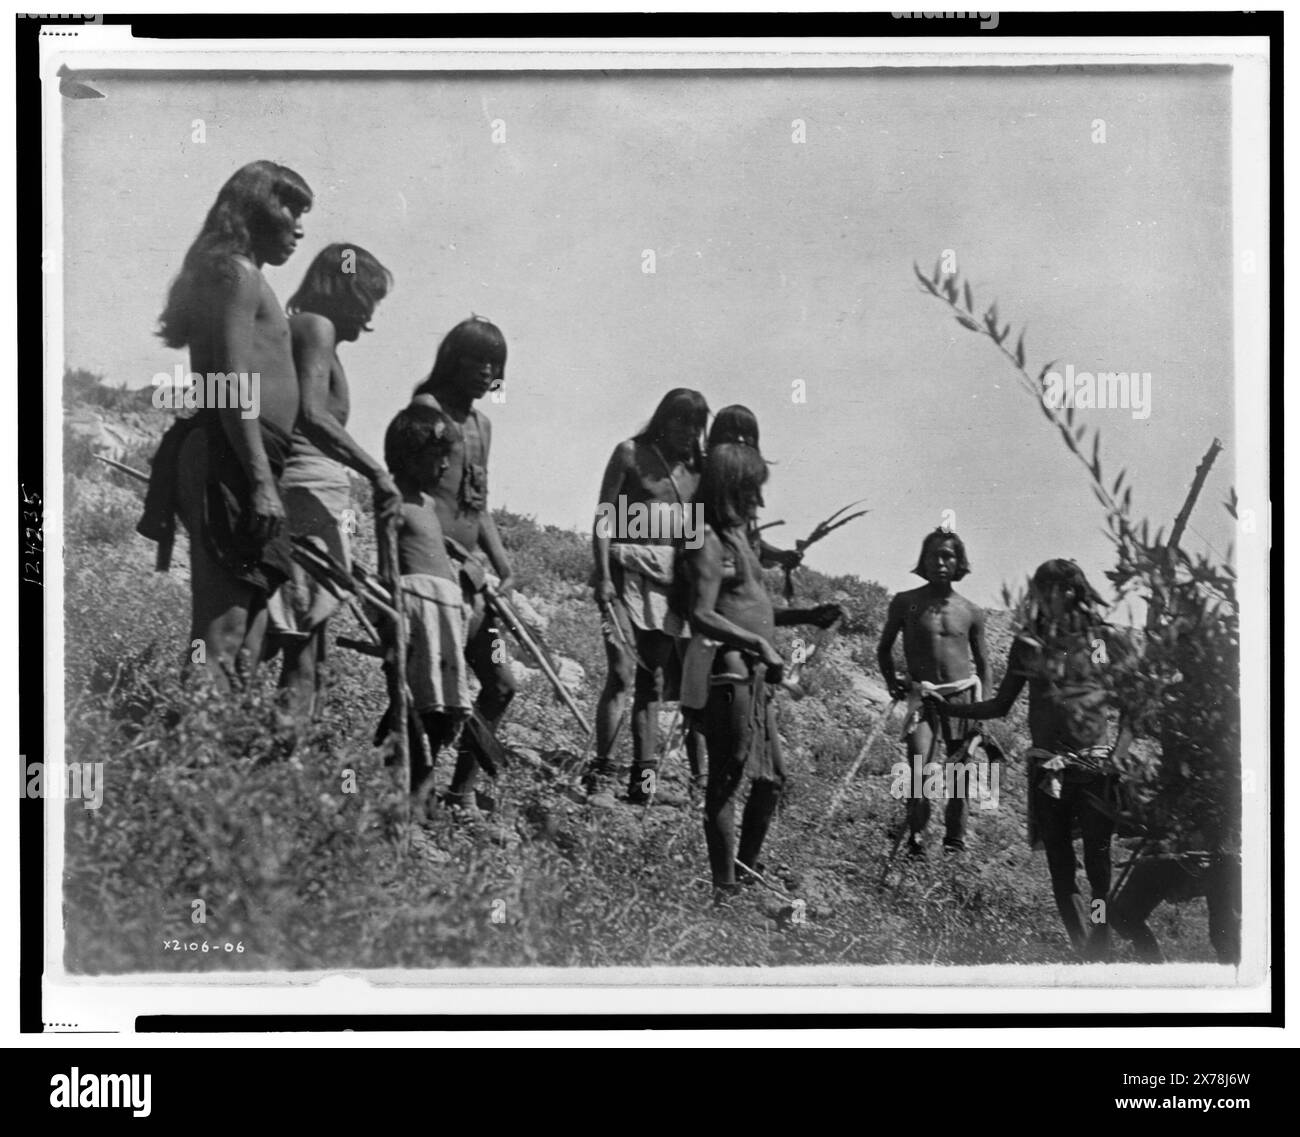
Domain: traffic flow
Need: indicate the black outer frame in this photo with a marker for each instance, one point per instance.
(31, 409)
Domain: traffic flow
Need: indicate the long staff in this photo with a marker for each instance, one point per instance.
(857, 762)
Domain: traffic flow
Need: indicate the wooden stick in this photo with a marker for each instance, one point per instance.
(1184, 514)
(361, 619)
(1154, 609)
(1122, 879)
(138, 475)
(501, 608)
(390, 572)
(862, 754)
(323, 567)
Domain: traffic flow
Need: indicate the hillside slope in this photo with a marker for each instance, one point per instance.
(304, 862)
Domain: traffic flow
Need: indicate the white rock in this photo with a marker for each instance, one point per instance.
(521, 671)
(572, 673)
(528, 613)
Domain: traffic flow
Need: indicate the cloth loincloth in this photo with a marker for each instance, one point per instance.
(217, 512)
(760, 745)
(697, 666)
(959, 690)
(158, 522)
(436, 618)
(1049, 770)
(316, 492)
(644, 577)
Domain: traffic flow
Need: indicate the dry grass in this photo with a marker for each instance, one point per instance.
(200, 804)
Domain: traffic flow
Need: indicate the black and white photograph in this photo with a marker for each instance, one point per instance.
(755, 517)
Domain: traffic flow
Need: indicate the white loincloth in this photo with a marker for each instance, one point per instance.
(317, 499)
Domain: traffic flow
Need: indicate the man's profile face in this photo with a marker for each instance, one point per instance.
(348, 326)
(476, 374)
(276, 239)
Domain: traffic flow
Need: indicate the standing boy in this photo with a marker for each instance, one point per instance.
(943, 646)
(417, 448)
(333, 305)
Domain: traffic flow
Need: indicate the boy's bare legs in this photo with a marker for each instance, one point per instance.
(301, 676)
(764, 796)
(486, 655)
(255, 631)
(723, 722)
(1054, 827)
(920, 748)
(656, 651)
(1096, 830)
(696, 748)
(219, 620)
(440, 730)
(227, 616)
(1056, 818)
(611, 709)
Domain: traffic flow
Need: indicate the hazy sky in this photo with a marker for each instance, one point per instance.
(774, 261)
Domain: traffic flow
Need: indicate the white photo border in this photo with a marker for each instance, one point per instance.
(111, 1003)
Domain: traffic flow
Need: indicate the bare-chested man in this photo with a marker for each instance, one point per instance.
(471, 361)
(943, 646)
(651, 475)
(218, 470)
(333, 305)
(729, 604)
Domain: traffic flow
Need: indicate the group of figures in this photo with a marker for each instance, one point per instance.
(685, 621)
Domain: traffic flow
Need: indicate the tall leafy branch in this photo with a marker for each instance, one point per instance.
(1182, 688)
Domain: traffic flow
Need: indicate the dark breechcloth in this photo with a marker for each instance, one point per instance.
(158, 522)
(263, 565)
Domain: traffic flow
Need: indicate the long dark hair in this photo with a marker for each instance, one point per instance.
(733, 476)
(735, 423)
(475, 336)
(328, 290)
(684, 404)
(1084, 605)
(247, 204)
